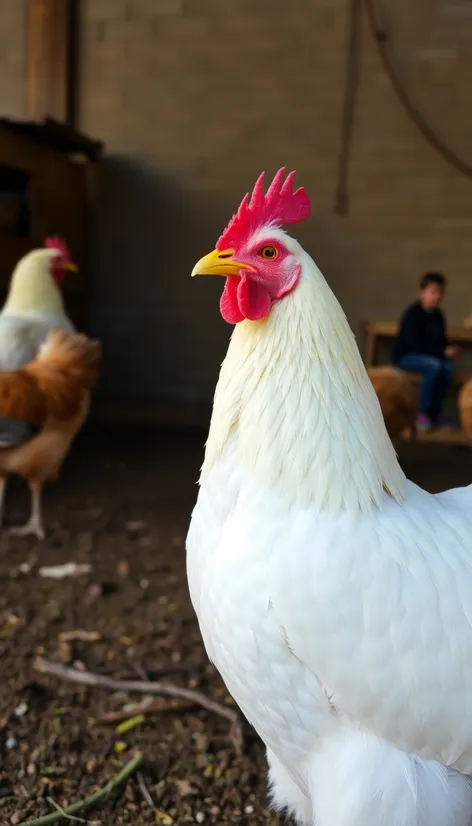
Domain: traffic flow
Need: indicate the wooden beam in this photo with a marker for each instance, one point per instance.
(49, 65)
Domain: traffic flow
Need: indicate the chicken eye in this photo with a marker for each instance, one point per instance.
(269, 253)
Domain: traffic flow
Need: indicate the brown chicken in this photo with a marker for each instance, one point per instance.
(398, 398)
(465, 408)
(42, 407)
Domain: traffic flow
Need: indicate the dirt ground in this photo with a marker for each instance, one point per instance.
(122, 506)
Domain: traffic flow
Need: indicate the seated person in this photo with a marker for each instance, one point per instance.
(422, 347)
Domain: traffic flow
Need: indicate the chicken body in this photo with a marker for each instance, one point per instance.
(333, 596)
(465, 408)
(347, 645)
(398, 398)
(42, 407)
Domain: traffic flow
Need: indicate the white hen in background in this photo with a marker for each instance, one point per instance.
(34, 304)
(333, 596)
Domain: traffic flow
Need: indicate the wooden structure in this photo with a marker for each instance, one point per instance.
(376, 332)
(43, 191)
(44, 162)
(52, 28)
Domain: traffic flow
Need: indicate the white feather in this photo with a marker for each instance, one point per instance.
(22, 335)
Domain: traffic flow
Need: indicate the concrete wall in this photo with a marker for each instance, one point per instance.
(195, 97)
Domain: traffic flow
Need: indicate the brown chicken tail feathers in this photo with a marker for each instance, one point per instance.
(74, 356)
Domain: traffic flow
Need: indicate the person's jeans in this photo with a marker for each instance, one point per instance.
(436, 376)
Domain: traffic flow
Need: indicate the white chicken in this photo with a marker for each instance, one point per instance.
(333, 596)
(34, 304)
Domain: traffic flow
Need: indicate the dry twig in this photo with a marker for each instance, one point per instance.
(145, 791)
(64, 813)
(145, 708)
(152, 673)
(165, 670)
(64, 672)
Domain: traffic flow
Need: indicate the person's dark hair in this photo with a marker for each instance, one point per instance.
(432, 278)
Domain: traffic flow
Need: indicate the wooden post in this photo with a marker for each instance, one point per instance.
(49, 69)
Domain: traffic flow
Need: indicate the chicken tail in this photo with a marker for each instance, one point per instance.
(465, 408)
(75, 355)
(64, 368)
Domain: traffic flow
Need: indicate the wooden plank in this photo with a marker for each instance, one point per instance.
(389, 329)
(382, 328)
(454, 436)
(59, 137)
(460, 334)
(444, 437)
(48, 64)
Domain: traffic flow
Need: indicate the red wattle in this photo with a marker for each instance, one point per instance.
(229, 301)
(244, 297)
(254, 299)
(58, 276)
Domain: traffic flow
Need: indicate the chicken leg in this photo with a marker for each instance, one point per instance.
(34, 524)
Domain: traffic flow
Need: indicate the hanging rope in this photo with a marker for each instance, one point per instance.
(351, 86)
(381, 39)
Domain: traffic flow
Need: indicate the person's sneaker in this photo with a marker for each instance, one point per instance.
(423, 422)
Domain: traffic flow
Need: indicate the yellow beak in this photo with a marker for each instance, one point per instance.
(71, 267)
(219, 262)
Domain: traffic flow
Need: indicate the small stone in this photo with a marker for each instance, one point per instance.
(200, 817)
(11, 743)
(21, 710)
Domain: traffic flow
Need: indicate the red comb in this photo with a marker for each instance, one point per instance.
(277, 207)
(58, 244)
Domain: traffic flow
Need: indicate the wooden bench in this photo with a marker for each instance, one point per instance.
(375, 331)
